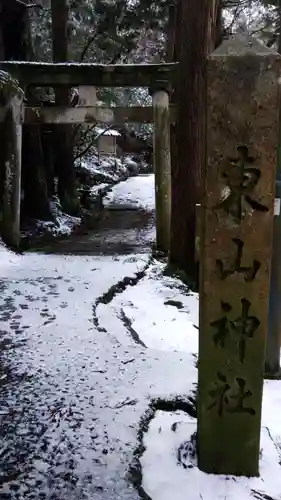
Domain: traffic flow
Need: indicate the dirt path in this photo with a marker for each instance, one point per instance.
(118, 232)
(72, 392)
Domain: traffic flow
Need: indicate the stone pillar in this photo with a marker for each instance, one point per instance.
(12, 187)
(87, 95)
(236, 237)
(162, 168)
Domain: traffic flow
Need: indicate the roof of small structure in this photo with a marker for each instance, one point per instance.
(110, 132)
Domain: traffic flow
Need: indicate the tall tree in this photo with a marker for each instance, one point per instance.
(195, 32)
(17, 45)
(191, 45)
(215, 27)
(63, 150)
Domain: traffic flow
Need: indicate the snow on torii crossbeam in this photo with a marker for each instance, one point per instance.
(100, 75)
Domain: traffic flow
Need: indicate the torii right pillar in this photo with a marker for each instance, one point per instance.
(236, 245)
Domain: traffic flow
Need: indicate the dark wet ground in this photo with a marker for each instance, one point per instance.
(118, 232)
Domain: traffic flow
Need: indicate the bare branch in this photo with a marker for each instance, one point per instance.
(29, 5)
(87, 46)
(82, 153)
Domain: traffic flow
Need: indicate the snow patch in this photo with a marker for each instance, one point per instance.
(99, 189)
(64, 223)
(162, 310)
(165, 478)
(136, 192)
(7, 257)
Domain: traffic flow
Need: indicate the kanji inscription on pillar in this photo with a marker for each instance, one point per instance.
(249, 272)
(241, 179)
(240, 328)
(225, 399)
(236, 235)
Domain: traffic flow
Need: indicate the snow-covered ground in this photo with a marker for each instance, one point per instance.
(7, 257)
(84, 353)
(74, 387)
(136, 192)
(164, 478)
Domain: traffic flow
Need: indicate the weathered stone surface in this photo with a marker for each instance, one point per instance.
(87, 95)
(12, 192)
(236, 234)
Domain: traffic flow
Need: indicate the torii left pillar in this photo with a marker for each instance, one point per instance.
(13, 163)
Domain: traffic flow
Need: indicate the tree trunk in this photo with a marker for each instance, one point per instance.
(188, 147)
(2, 159)
(63, 152)
(2, 53)
(17, 45)
(171, 33)
(214, 25)
(217, 35)
(36, 201)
